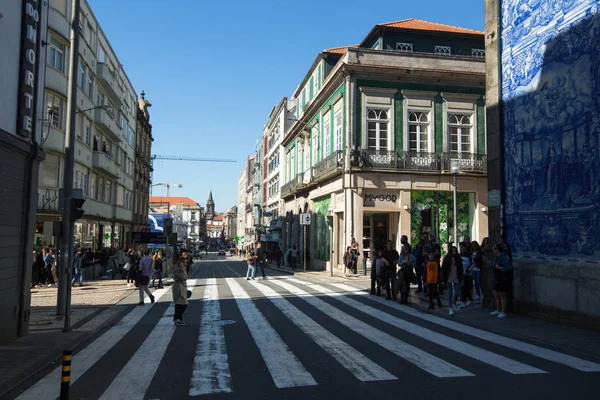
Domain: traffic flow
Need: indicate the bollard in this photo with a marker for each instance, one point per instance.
(65, 379)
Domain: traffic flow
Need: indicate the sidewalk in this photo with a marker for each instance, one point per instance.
(95, 306)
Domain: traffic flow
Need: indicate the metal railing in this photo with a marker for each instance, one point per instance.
(331, 163)
(417, 161)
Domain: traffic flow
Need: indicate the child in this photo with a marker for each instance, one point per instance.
(432, 268)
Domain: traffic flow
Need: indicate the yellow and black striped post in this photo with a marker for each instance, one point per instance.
(65, 379)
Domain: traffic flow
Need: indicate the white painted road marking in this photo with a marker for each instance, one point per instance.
(48, 388)
(537, 351)
(429, 363)
(354, 361)
(285, 368)
(134, 379)
(211, 365)
(479, 354)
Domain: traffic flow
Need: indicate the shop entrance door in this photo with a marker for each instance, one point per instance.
(375, 232)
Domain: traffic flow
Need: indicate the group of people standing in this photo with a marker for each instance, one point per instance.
(44, 271)
(458, 273)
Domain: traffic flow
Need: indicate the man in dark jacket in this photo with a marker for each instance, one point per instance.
(387, 275)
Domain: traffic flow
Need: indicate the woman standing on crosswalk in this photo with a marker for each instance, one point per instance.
(180, 290)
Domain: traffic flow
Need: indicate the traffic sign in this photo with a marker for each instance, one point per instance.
(304, 219)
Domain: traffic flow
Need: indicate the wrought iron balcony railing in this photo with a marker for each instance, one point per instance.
(329, 164)
(417, 161)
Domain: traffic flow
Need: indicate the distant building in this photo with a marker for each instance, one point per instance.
(188, 211)
(245, 228)
(143, 164)
(230, 223)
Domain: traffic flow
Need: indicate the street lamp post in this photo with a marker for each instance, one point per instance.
(455, 169)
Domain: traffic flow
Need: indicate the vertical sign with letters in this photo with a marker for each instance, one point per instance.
(30, 20)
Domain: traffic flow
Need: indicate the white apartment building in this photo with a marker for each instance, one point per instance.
(280, 118)
(105, 133)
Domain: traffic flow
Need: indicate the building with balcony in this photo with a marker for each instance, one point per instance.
(377, 127)
(543, 124)
(106, 121)
(245, 230)
(143, 164)
(21, 109)
(230, 223)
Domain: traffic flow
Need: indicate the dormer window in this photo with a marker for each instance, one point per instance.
(443, 50)
(479, 53)
(404, 47)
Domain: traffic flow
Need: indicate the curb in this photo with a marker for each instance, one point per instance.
(76, 345)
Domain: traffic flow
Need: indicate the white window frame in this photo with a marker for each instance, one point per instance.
(81, 75)
(460, 127)
(56, 119)
(378, 123)
(478, 53)
(443, 50)
(338, 120)
(326, 140)
(90, 85)
(420, 125)
(306, 150)
(315, 143)
(54, 47)
(404, 47)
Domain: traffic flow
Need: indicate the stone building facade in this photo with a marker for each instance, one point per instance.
(143, 165)
(378, 126)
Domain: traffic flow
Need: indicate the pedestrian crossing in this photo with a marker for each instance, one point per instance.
(364, 337)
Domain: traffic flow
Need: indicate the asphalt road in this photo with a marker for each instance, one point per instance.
(301, 338)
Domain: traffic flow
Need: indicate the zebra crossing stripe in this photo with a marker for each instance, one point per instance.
(412, 354)
(211, 365)
(358, 364)
(286, 370)
(477, 353)
(47, 387)
(131, 383)
(537, 351)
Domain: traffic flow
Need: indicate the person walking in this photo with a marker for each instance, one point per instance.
(251, 260)
(158, 267)
(432, 271)
(53, 271)
(294, 257)
(260, 260)
(131, 267)
(452, 273)
(501, 270)
(348, 261)
(37, 266)
(78, 263)
(144, 277)
(179, 292)
(48, 266)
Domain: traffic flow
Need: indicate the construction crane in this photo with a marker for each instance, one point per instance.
(183, 158)
(168, 186)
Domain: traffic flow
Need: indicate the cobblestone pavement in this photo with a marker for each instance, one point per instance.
(87, 302)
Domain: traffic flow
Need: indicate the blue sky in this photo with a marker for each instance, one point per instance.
(214, 69)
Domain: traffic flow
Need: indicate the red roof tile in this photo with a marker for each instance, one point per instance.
(421, 25)
(163, 200)
(338, 50)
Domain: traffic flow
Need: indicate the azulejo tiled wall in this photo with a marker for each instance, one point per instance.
(551, 110)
